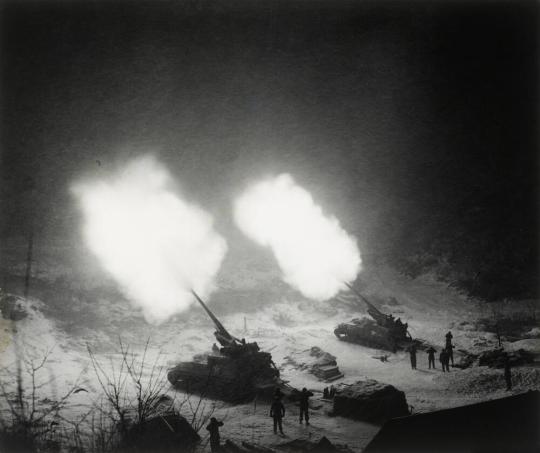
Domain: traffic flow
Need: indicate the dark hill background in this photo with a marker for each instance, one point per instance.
(414, 123)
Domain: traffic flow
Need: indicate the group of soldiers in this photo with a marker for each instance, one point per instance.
(277, 409)
(445, 357)
(329, 392)
(277, 413)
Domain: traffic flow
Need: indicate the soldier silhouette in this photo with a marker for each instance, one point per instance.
(431, 357)
(304, 405)
(444, 359)
(213, 427)
(277, 412)
(412, 353)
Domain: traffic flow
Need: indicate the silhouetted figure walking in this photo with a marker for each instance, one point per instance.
(431, 357)
(412, 354)
(450, 347)
(277, 412)
(508, 374)
(304, 405)
(213, 427)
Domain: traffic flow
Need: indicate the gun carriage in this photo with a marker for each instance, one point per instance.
(236, 371)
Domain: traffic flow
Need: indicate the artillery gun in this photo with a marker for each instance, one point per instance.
(238, 371)
(381, 332)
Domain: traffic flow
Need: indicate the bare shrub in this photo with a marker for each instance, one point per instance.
(28, 421)
(136, 390)
(132, 388)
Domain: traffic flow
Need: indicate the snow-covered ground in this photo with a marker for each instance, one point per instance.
(283, 323)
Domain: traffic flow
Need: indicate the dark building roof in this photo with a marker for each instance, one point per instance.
(509, 424)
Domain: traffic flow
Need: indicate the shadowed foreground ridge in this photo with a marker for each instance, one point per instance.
(506, 424)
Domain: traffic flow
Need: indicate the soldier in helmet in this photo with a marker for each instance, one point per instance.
(213, 427)
(412, 354)
(304, 405)
(443, 358)
(277, 412)
(431, 357)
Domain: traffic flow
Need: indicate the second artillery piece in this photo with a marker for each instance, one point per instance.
(381, 332)
(238, 371)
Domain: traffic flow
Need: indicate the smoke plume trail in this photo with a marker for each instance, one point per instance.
(155, 245)
(313, 251)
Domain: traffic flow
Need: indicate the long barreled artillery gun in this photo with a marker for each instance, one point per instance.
(236, 371)
(381, 332)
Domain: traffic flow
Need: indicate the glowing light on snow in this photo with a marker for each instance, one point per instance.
(155, 245)
(313, 251)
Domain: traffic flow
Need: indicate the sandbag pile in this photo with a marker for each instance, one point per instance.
(316, 361)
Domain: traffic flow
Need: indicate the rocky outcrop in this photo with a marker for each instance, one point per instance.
(370, 401)
(164, 433)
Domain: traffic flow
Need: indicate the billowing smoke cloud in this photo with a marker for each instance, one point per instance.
(155, 245)
(315, 254)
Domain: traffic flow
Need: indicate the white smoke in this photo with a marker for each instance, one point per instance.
(313, 251)
(156, 246)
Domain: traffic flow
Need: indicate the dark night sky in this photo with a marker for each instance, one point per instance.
(411, 122)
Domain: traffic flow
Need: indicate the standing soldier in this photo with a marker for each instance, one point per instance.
(213, 427)
(412, 353)
(507, 374)
(304, 405)
(431, 357)
(450, 347)
(443, 358)
(447, 361)
(277, 412)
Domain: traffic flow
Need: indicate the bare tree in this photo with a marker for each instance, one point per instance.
(133, 386)
(32, 420)
(135, 389)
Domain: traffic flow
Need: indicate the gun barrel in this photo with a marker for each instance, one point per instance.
(220, 328)
(372, 310)
(369, 304)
